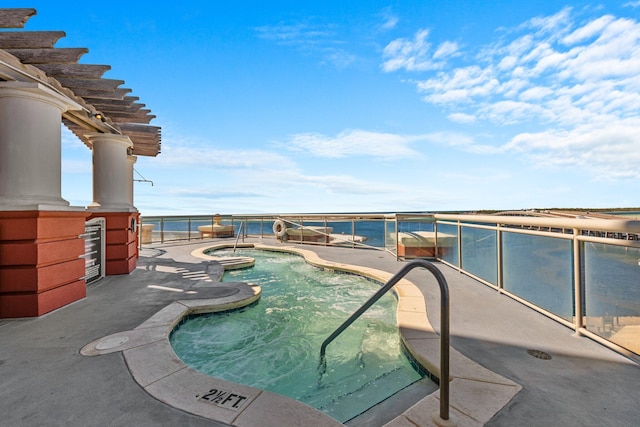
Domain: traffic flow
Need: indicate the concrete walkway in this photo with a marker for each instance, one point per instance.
(45, 381)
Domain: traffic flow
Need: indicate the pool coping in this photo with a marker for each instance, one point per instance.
(476, 393)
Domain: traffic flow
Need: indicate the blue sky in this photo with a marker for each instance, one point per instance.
(334, 106)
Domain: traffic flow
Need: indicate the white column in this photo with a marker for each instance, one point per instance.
(112, 172)
(30, 146)
(131, 160)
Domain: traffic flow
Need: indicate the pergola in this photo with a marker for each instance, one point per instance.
(30, 56)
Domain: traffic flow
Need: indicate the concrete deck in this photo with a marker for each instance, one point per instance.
(46, 381)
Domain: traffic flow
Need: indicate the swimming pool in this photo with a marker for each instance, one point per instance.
(274, 344)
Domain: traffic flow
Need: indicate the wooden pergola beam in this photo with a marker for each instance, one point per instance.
(118, 93)
(29, 40)
(15, 18)
(45, 56)
(96, 84)
(127, 101)
(87, 71)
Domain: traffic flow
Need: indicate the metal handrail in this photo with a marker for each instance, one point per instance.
(444, 326)
(235, 245)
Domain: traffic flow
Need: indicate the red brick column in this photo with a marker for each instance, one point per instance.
(121, 241)
(40, 265)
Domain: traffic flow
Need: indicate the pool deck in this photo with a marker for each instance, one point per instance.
(47, 381)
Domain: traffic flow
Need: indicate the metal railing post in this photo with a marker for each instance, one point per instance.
(353, 233)
(499, 256)
(577, 280)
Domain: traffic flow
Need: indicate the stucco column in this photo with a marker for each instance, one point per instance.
(131, 160)
(30, 146)
(112, 173)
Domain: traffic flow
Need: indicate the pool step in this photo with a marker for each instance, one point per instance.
(394, 405)
(378, 390)
(235, 262)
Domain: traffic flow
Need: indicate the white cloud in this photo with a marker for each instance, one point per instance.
(339, 58)
(510, 112)
(211, 193)
(319, 39)
(295, 34)
(446, 49)
(590, 30)
(390, 20)
(415, 54)
(577, 80)
(461, 85)
(178, 151)
(460, 141)
(462, 118)
(535, 93)
(553, 25)
(355, 143)
(346, 184)
(607, 152)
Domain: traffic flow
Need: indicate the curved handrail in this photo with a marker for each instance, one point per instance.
(444, 326)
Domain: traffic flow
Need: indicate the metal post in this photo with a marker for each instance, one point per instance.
(353, 233)
(577, 280)
(459, 246)
(499, 255)
(326, 234)
(396, 232)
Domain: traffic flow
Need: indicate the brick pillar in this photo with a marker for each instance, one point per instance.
(121, 241)
(40, 265)
(40, 244)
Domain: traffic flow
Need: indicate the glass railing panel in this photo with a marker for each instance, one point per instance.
(539, 269)
(370, 232)
(416, 238)
(340, 231)
(175, 228)
(410, 225)
(313, 231)
(150, 231)
(198, 224)
(612, 293)
(256, 227)
(448, 243)
(390, 241)
(479, 253)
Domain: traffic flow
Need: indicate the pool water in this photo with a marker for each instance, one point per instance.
(275, 344)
